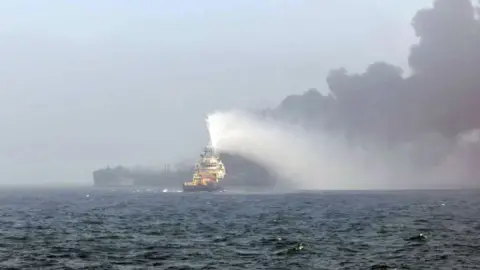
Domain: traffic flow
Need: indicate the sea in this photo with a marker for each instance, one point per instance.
(132, 228)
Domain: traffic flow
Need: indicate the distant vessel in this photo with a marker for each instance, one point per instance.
(123, 176)
(209, 172)
(242, 174)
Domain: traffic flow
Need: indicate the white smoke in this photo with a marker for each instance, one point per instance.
(305, 160)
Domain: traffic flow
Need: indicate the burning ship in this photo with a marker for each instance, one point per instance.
(209, 172)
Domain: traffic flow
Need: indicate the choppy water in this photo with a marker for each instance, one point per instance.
(126, 229)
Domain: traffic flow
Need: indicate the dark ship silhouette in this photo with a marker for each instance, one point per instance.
(242, 173)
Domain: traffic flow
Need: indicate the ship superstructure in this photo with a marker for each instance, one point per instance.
(209, 172)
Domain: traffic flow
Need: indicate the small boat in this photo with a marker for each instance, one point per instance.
(209, 171)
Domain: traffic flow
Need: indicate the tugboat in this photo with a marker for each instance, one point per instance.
(209, 172)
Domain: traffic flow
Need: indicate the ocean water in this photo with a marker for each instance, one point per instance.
(149, 229)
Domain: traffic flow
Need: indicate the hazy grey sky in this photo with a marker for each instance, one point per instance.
(90, 83)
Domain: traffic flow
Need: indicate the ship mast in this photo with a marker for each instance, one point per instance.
(209, 151)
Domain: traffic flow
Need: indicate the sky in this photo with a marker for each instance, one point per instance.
(87, 84)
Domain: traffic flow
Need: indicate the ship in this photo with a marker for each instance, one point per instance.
(147, 177)
(208, 174)
(243, 174)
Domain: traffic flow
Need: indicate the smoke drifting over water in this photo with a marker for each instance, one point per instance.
(379, 128)
(311, 160)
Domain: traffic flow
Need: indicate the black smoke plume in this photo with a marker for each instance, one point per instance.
(435, 110)
(441, 96)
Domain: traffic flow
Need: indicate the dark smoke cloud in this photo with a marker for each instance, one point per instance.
(441, 96)
(430, 110)
(433, 114)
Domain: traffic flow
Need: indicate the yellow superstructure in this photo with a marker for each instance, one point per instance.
(209, 168)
